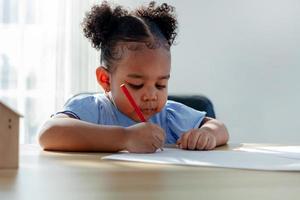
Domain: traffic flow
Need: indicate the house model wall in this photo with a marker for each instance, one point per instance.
(9, 137)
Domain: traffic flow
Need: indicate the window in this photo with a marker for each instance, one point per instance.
(44, 58)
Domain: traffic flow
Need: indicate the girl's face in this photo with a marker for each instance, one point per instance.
(145, 73)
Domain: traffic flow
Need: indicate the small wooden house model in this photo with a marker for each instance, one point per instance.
(9, 137)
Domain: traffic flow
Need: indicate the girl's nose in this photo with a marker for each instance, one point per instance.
(149, 95)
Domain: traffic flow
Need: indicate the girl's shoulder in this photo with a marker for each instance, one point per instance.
(175, 106)
(178, 111)
(87, 106)
(88, 98)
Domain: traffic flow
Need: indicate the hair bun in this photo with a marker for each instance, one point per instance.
(163, 16)
(98, 23)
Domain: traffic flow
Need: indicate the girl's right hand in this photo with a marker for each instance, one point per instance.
(144, 137)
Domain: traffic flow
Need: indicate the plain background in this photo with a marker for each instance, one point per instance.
(245, 56)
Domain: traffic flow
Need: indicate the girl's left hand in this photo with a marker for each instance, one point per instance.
(197, 139)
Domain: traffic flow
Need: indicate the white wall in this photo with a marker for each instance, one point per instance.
(245, 56)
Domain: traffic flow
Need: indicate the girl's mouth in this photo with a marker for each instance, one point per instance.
(148, 111)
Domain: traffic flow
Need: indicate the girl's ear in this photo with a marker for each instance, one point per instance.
(103, 78)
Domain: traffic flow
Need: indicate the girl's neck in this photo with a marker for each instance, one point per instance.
(109, 96)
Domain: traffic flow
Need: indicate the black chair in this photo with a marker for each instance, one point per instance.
(198, 102)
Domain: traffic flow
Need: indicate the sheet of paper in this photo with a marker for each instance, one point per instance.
(227, 159)
(281, 151)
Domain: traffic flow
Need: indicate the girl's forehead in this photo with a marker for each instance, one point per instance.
(156, 61)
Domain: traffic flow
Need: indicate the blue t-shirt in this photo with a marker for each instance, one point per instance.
(175, 118)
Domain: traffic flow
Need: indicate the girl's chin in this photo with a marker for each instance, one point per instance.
(137, 119)
(146, 116)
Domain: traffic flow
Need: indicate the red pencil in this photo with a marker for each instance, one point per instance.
(132, 102)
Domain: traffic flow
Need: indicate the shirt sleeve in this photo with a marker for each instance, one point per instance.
(84, 108)
(181, 118)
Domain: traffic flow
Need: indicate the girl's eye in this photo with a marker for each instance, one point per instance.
(135, 87)
(160, 87)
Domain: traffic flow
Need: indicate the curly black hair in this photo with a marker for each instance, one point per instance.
(105, 27)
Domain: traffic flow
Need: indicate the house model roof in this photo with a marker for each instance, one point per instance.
(10, 108)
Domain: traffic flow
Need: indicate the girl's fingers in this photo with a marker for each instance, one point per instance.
(157, 138)
(160, 136)
(211, 144)
(202, 141)
(154, 148)
(158, 142)
(207, 144)
(184, 140)
(193, 139)
(178, 143)
(199, 142)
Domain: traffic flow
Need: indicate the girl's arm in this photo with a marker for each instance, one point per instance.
(67, 134)
(63, 133)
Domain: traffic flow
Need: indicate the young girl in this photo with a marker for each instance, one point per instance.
(135, 51)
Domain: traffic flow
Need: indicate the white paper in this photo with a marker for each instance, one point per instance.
(292, 152)
(217, 158)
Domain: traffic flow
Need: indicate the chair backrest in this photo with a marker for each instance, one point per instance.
(198, 102)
